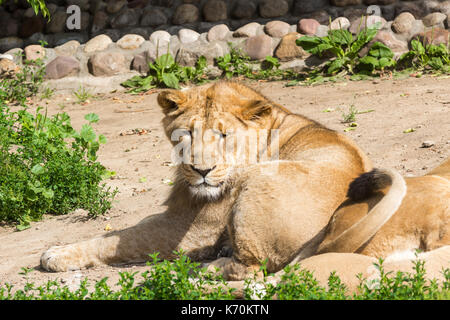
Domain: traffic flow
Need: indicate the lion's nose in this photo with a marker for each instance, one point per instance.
(203, 172)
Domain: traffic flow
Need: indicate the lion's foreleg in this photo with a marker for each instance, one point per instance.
(157, 233)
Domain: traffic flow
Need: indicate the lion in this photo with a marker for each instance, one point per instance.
(274, 210)
(422, 222)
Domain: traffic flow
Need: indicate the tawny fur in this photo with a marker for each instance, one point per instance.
(274, 210)
(260, 214)
(421, 222)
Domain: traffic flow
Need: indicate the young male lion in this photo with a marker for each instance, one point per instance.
(275, 209)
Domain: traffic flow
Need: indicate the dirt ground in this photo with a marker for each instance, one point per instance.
(141, 161)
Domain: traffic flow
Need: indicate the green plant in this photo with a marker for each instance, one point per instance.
(350, 116)
(427, 57)
(47, 93)
(167, 73)
(38, 6)
(234, 63)
(25, 83)
(82, 95)
(378, 58)
(344, 49)
(48, 167)
(184, 279)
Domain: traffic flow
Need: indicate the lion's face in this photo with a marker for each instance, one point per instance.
(213, 129)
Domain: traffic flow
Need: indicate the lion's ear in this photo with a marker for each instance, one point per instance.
(170, 101)
(256, 110)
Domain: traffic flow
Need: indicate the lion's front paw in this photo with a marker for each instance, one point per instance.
(60, 259)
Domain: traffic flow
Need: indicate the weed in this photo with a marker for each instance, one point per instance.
(167, 73)
(82, 95)
(25, 83)
(427, 57)
(183, 279)
(47, 93)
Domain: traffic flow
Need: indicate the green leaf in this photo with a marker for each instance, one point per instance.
(91, 117)
(38, 169)
(170, 80)
(87, 133)
(379, 50)
(165, 61)
(102, 139)
(336, 65)
(48, 193)
(340, 36)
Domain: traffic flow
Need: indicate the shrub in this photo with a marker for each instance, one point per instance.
(48, 167)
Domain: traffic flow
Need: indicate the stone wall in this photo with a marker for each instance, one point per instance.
(119, 17)
(118, 52)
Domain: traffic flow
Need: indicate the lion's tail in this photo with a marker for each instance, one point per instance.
(363, 187)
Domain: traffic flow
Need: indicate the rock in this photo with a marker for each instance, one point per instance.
(218, 32)
(10, 43)
(215, 10)
(126, 18)
(411, 7)
(130, 41)
(153, 17)
(140, 63)
(288, 50)
(8, 68)
(444, 7)
(57, 23)
(340, 23)
(322, 31)
(308, 6)
(108, 64)
(345, 3)
(114, 34)
(272, 9)
(83, 4)
(34, 52)
(322, 16)
(403, 23)
(16, 53)
(258, 47)
(31, 25)
(67, 49)
(428, 144)
(188, 54)
(435, 19)
(10, 27)
(244, 9)
(368, 22)
(98, 43)
(249, 30)
(308, 26)
(61, 38)
(162, 37)
(7, 56)
(388, 39)
(277, 29)
(140, 31)
(61, 67)
(114, 6)
(379, 2)
(435, 36)
(187, 35)
(99, 22)
(186, 13)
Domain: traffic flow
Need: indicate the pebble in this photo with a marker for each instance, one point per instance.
(427, 144)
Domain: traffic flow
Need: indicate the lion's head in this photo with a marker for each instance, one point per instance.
(213, 129)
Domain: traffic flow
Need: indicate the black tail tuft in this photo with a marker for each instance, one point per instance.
(367, 183)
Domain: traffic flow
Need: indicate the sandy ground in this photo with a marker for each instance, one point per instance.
(422, 104)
